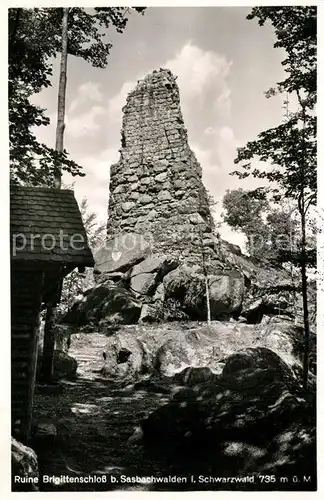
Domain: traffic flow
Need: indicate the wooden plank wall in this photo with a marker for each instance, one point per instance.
(26, 296)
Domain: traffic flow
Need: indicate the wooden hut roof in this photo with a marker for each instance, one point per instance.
(41, 218)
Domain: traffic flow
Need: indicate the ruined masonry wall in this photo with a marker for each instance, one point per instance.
(156, 186)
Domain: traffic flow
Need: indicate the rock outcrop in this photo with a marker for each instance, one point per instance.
(104, 305)
(24, 466)
(166, 350)
(64, 366)
(249, 420)
(187, 285)
(121, 253)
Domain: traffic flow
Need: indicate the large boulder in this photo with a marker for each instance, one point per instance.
(172, 347)
(146, 276)
(24, 467)
(208, 349)
(187, 285)
(256, 366)
(192, 376)
(62, 337)
(121, 253)
(287, 339)
(126, 357)
(150, 265)
(64, 366)
(151, 313)
(278, 300)
(185, 350)
(269, 289)
(237, 424)
(105, 305)
(142, 283)
(226, 293)
(140, 349)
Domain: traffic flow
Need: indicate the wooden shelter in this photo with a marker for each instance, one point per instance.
(48, 241)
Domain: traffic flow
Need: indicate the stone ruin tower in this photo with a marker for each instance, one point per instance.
(156, 187)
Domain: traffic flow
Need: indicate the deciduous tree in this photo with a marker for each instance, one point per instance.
(35, 39)
(75, 282)
(291, 147)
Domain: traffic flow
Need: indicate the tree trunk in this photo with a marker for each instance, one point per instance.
(208, 301)
(49, 336)
(305, 301)
(205, 271)
(59, 143)
(303, 265)
(49, 345)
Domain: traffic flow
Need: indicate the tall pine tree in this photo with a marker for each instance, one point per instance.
(291, 147)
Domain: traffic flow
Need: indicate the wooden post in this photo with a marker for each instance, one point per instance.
(49, 344)
(33, 369)
(26, 298)
(49, 334)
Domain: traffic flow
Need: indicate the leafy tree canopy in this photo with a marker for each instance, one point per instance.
(75, 283)
(290, 147)
(272, 231)
(34, 40)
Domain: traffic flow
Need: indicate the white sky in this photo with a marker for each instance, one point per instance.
(224, 63)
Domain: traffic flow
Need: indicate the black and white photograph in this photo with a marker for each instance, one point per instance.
(163, 247)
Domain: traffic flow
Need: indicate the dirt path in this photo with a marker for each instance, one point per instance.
(94, 420)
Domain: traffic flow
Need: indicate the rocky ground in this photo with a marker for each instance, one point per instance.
(235, 409)
(94, 420)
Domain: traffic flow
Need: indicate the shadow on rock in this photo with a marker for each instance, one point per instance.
(251, 419)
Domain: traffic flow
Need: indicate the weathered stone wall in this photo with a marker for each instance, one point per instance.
(156, 187)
